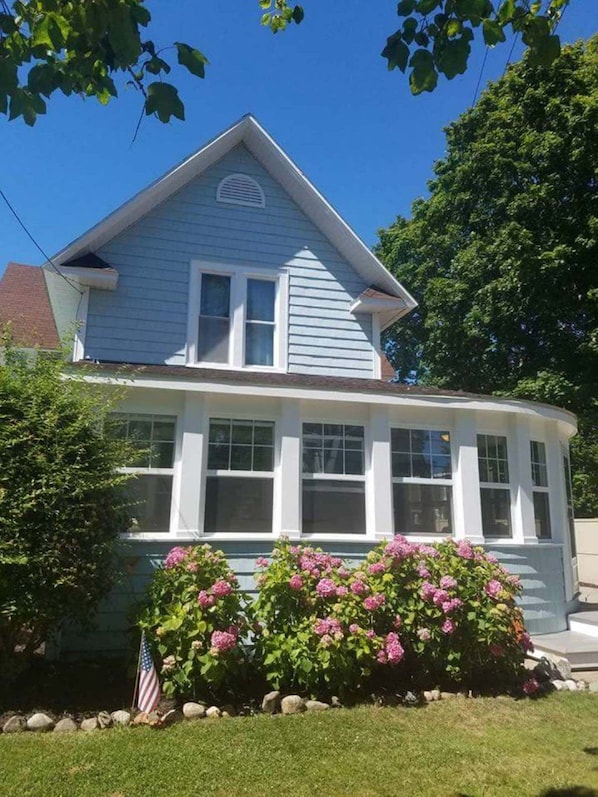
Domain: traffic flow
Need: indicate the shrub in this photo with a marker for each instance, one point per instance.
(194, 619)
(422, 614)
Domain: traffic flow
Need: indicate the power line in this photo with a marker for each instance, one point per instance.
(475, 93)
(35, 243)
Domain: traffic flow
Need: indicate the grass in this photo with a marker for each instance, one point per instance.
(458, 748)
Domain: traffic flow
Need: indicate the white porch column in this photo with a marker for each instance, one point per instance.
(559, 517)
(379, 514)
(520, 477)
(287, 498)
(191, 467)
(467, 507)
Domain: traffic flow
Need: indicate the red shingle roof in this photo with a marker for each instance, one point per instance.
(25, 304)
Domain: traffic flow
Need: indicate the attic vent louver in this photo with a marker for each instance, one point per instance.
(240, 189)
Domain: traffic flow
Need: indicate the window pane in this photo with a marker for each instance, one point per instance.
(333, 507)
(164, 431)
(218, 456)
(542, 515)
(400, 439)
(263, 434)
(140, 431)
(212, 343)
(215, 295)
(333, 456)
(312, 429)
(354, 462)
(440, 443)
(240, 458)
(242, 432)
(259, 344)
(441, 467)
(238, 505)
(420, 441)
(401, 465)
(421, 466)
(263, 458)
(150, 498)
(483, 467)
(162, 455)
(220, 431)
(333, 430)
(312, 460)
(260, 300)
(501, 447)
(496, 512)
(422, 509)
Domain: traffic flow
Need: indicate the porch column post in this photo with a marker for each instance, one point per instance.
(520, 478)
(287, 496)
(467, 507)
(379, 513)
(191, 467)
(559, 515)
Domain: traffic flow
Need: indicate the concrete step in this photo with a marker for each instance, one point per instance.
(581, 650)
(585, 622)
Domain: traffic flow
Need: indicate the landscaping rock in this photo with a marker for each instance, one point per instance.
(447, 695)
(571, 685)
(410, 699)
(292, 704)
(228, 710)
(546, 670)
(40, 723)
(335, 702)
(316, 705)
(194, 711)
(104, 720)
(14, 724)
(559, 685)
(271, 703)
(582, 686)
(428, 697)
(171, 717)
(435, 694)
(564, 667)
(65, 725)
(90, 724)
(213, 712)
(594, 686)
(122, 718)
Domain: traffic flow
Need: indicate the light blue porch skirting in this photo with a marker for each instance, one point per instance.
(539, 567)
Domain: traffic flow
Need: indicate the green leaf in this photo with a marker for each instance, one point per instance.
(423, 76)
(27, 105)
(163, 100)
(405, 7)
(506, 12)
(493, 32)
(452, 58)
(396, 52)
(298, 14)
(545, 51)
(425, 6)
(192, 59)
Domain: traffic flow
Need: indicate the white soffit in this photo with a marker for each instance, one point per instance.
(249, 132)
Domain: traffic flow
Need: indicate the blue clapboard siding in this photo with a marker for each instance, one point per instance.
(539, 567)
(145, 319)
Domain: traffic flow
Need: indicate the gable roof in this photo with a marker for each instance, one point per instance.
(262, 146)
(25, 304)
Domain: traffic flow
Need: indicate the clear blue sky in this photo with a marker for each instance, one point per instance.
(320, 88)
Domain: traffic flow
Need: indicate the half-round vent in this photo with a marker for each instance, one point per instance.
(240, 189)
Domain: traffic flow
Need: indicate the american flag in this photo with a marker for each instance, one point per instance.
(148, 696)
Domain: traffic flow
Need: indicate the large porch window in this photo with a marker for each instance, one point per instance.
(333, 479)
(239, 483)
(540, 490)
(495, 491)
(422, 481)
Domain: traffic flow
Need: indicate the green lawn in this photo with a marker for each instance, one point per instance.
(463, 748)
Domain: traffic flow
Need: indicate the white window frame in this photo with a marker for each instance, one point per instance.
(243, 474)
(506, 486)
(545, 489)
(421, 480)
(239, 275)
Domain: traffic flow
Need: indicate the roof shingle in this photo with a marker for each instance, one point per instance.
(25, 305)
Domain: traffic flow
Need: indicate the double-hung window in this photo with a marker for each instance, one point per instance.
(237, 318)
(422, 481)
(239, 483)
(333, 479)
(150, 492)
(495, 491)
(540, 490)
(570, 510)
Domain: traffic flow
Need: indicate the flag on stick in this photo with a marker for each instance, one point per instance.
(148, 695)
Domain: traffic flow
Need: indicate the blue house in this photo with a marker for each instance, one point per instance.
(244, 317)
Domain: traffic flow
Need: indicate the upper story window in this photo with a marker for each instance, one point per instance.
(495, 491)
(241, 189)
(237, 318)
(540, 489)
(422, 481)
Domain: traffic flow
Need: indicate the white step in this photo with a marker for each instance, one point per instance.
(584, 623)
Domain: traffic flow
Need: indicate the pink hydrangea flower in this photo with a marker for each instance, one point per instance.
(448, 627)
(423, 572)
(342, 572)
(342, 592)
(496, 650)
(359, 588)
(490, 557)
(493, 588)
(381, 657)
(398, 621)
(526, 642)
(221, 588)
(174, 557)
(428, 550)
(326, 641)
(192, 567)
(448, 582)
(327, 625)
(326, 588)
(514, 581)
(354, 628)
(374, 602)
(295, 550)
(440, 596)
(377, 568)
(315, 573)
(222, 641)
(205, 600)
(427, 591)
(393, 647)
(370, 634)
(452, 604)
(261, 561)
(530, 686)
(424, 634)
(261, 579)
(296, 582)
(464, 549)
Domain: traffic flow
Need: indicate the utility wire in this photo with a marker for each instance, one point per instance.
(35, 243)
(475, 93)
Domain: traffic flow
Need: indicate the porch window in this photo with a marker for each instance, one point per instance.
(239, 484)
(150, 492)
(570, 511)
(495, 491)
(540, 490)
(422, 481)
(333, 479)
(213, 338)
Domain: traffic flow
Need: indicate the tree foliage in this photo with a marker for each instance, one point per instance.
(82, 47)
(502, 255)
(61, 509)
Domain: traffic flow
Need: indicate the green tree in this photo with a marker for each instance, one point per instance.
(84, 48)
(61, 501)
(503, 254)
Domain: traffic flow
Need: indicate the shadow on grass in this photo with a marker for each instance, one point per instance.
(591, 750)
(566, 791)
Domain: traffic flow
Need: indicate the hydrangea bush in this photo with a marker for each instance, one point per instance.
(196, 620)
(423, 614)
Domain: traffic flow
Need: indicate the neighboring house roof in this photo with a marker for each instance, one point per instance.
(25, 305)
(387, 372)
(249, 132)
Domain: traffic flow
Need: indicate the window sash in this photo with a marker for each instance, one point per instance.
(237, 445)
(333, 506)
(154, 435)
(538, 463)
(493, 459)
(239, 504)
(333, 449)
(422, 454)
(541, 500)
(496, 511)
(422, 508)
(150, 498)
